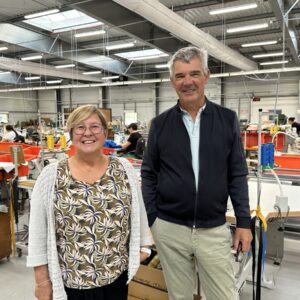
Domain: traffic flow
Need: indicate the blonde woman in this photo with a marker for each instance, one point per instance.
(88, 221)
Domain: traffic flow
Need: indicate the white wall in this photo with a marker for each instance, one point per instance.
(47, 104)
(22, 106)
(284, 91)
(237, 93)
(79, 96)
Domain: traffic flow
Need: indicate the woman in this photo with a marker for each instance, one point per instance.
(88, 220)
(10, 134)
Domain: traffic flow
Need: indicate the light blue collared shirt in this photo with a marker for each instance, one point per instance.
(193, 129)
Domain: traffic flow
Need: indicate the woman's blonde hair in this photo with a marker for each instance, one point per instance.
(81, 113)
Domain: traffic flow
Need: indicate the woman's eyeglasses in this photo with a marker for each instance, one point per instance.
(94, 128)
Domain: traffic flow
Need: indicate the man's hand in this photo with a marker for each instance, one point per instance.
(242, 236)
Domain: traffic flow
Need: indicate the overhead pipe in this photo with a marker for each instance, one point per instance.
(165, 18)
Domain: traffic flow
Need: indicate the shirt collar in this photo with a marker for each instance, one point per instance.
(185, 112)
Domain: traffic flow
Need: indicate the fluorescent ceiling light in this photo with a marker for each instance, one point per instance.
(142, 54)
(89, 33)
(75, 27)
(247, 28)
(110, 77)
(259, 44)
(91, 72)
(162, 66)
(43, 13)
(120, 46)
(32, 78)
(268, 55)
(54, 81)
(33, 57)
(3, 48)
(149, 57)
(226, 10)
(275, 62)
(4, 72)
(65, 66)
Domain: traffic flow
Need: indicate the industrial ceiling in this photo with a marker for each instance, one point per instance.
(150, 32)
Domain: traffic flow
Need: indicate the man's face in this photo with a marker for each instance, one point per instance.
(130, 130)
(189, 80)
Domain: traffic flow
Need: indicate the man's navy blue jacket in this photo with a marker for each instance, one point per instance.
(168, 181)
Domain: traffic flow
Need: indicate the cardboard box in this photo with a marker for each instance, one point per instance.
(149, 284)
(146, 292)
(132, 298)
(151, 277)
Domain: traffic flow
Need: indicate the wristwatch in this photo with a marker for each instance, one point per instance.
(146, 250)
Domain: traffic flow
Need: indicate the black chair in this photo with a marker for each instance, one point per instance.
(140, 148)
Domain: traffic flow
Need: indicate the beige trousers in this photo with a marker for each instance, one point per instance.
(181, 248)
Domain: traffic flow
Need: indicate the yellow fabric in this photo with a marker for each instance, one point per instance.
(260, 216)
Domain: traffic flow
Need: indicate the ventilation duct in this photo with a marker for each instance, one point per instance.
(165, 18)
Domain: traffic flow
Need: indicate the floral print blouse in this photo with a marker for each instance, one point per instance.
(92, 226)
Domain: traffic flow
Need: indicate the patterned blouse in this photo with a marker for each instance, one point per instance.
(92, 226)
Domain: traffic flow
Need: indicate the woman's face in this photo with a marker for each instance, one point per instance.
(89, 135)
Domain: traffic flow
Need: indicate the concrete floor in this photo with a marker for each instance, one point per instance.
(17, 281)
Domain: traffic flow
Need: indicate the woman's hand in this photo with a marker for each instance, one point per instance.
(44, 291)
(144, 253)
(143, 256)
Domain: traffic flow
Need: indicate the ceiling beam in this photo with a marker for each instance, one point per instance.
(235, 20)
(249, 34)
(44, 44)
(28, 67)
(287, 27)
(13, 78)
(199, 4)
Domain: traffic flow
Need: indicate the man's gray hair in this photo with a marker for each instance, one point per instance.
(187, 54)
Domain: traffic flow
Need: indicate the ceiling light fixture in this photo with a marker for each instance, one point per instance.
(268, 54)
(149, 57)
(54, 81)
(75, 27)
(259, 44)
(91, 72)
(4, 72)
(120, 46)
(32, 78)
(3, 48)
(43, 13)
(33, 57)
(247, 28)
(275, 62)
(110, 77)
(89, 33)
(226, 10)
(65, 66)
(162, 66)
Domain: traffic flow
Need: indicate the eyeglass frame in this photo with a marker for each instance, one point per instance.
(102, 130)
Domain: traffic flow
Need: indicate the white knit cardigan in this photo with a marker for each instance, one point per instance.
(42, 248)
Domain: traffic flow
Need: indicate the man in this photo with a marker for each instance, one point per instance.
(130, 144)
(194, 160)
(294, 124)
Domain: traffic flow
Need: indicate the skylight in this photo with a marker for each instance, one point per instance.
(64, 21)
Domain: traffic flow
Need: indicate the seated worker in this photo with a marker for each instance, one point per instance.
(294, 124)
(131, 142)
(290, 139)
(12, 135)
